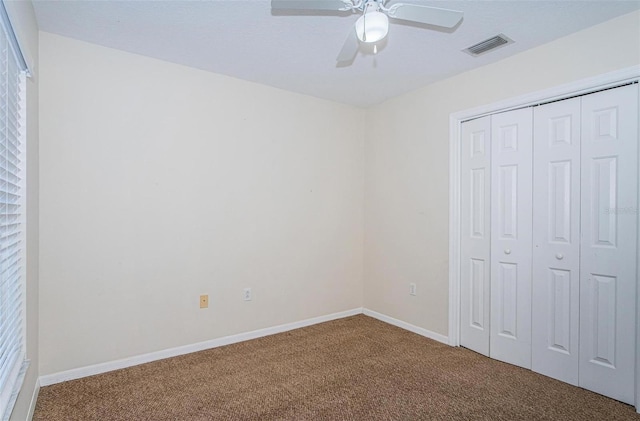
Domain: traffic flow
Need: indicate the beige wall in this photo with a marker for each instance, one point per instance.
(24, 23)
(407, 155)
(160, 183)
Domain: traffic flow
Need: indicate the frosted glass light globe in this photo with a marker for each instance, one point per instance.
(374, 24)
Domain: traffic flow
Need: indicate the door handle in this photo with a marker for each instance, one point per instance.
(559, 256)
(507, 251)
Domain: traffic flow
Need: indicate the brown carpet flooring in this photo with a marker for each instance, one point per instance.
(356, 368)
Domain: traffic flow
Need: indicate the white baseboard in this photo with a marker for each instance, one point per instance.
(407, 326)
(91, 370)
(78, 373)
(34, 399)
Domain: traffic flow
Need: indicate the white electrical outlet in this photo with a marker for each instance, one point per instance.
(412, 289)
(246, 294)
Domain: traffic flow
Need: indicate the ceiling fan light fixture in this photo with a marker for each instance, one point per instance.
(372, 27)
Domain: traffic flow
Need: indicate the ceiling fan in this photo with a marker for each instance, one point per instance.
(373, 25)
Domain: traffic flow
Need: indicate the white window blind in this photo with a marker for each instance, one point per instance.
(12, 348)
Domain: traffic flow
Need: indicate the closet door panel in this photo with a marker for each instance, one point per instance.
(475, 243)
(556, 240)
(609, 239)
(511, 225)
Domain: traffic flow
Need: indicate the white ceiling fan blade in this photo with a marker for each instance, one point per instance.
(350, 47)
(336, 5)
(425, 14)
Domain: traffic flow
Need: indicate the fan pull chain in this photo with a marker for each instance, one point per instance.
(364, 26)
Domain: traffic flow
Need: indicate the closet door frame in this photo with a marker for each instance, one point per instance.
(580, 87)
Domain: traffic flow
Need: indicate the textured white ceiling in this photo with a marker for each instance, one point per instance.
(243, 39)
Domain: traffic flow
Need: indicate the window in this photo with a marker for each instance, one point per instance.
(12, 344)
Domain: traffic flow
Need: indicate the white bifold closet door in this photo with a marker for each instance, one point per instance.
(556, 240)
(475, 195)
(609, 206)
(496, 212)
(511, 219)
(549, 246)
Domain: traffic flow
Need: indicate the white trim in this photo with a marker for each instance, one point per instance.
(407, 326)
(34, 400)
(78, 373)
(580, 87)
(638, 287)
(91, 370)
(454, 231)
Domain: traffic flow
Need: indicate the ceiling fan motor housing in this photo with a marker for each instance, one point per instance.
(373, 25)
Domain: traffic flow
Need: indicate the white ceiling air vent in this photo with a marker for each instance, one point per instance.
(488, 45)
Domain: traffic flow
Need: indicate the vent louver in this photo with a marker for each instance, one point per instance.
(488, 45)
